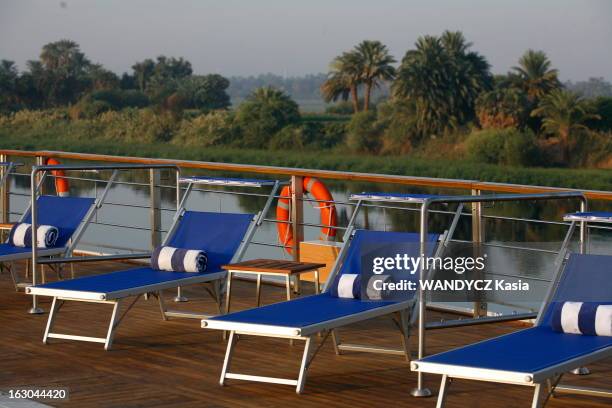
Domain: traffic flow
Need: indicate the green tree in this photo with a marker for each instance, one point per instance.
(8, 85)
(265, 112)
(205, 92)
(101, 78)
(343, 80)
(375, 62)
(62, 72)
(363, 133)
(443, 78)
(535, 75)
(502, 107)
(143, 71)
(564, 114)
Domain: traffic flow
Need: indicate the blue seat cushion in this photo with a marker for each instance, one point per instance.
(8, 249)
(302, 312)
(122, 280)
(525, 351)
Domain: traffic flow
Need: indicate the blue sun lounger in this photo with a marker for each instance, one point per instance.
(304, 318)
(221, 235)
(70, 215)
(537, 356)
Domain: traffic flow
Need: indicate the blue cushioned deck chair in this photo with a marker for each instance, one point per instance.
(537, 356)
(303, 318)
(224, 237)
(70, 215)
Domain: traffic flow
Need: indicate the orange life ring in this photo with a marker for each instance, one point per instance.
(62, 188)
(329, 218)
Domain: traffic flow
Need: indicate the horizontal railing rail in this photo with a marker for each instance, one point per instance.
(324, 174)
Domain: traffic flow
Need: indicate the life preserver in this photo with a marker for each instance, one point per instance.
(62, 188)
(318, 190)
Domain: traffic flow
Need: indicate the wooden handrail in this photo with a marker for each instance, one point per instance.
(324, 174)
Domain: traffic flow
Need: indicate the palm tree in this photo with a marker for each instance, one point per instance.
(375, 62)
(535, 75)
(64, 56)
(443, 78)
(563, 113)
(344, 78)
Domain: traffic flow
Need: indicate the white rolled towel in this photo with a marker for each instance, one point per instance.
(21, 235)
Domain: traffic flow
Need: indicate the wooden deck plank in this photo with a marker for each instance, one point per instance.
(176, 363)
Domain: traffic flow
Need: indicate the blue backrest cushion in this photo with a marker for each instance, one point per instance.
(586, 279)
(366, 240)
(64, 213)
(218, 234)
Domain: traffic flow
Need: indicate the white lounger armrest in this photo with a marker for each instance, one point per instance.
(472, 373)
(252, 329)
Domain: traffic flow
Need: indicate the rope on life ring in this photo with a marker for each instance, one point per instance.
(325, 204)
(62, 188)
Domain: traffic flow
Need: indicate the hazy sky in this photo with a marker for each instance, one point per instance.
(291, 37)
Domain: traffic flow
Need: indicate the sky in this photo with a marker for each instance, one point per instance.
(292, 38)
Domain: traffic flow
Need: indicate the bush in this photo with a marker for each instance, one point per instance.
(363, 133)
(131, 125)
(265, 112)
(212, 129)
(120, 99)
(340, 108)
(333, 134)
(602, 106)
(504, 146)
(289, 138)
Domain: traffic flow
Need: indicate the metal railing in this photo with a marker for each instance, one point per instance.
(155, 187)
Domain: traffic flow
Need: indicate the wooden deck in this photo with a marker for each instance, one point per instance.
(176, 363)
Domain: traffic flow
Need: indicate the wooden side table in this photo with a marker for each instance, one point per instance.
(271, 267)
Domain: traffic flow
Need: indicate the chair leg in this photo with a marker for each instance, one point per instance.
(536, 403)
(443, 390)
(14, 275)
(162, 305)
(405, 333)
(258, 291)
(228, 356)
(111, 327)
(218, 297)
(51, 319)
(304, 366)
(336, 341)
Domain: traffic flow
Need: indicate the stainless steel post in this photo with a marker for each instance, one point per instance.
(33, 211)
(155, 211)
(6, 188)
(480, 305)
(420, 390)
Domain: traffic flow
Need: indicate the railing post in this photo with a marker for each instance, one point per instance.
(297, 214)
(40, 161)
(5, 192)
(480, 306)
(155, 211)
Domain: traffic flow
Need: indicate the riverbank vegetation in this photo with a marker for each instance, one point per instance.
(439, 112)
